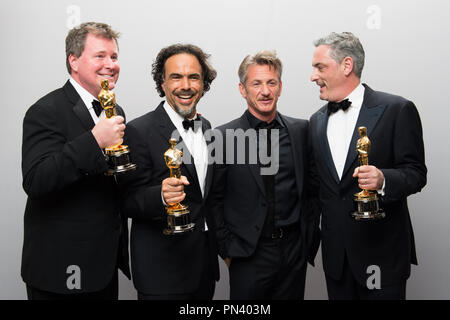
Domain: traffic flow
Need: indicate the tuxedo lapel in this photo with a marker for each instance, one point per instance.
(168, 131)
(254, 168)
(324, 147)
(209, 170)
(368, 117)
(79, 108)
(188, 160)
(83, 114)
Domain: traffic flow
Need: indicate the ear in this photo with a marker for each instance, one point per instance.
(242, 90)
(73, 61)
(347, 66)
(281, 88)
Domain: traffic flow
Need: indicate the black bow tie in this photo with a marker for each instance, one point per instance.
(335, 106)
(97, 107)
(191, 124)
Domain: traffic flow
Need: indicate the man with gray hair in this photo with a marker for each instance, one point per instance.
(363, 259)
(75, 238)
(264, 226)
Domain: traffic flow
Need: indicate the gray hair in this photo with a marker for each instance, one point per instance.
(76, 38)
(264, 57)
(342, 45)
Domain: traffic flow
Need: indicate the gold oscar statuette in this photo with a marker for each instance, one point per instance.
(178, 217)
(366, 203)
(118, 156)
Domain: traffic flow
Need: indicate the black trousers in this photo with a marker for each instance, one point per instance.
(205, 290)
(276, 270)
(347, 288)
(110, 292)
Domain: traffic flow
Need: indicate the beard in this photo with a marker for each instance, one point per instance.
(182, 111)
(185, 112)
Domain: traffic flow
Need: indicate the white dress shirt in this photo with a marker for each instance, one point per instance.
(87, 98)
(196, 144)
(341, 125)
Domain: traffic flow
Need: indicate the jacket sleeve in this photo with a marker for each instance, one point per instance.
(408, 174)
(141, 197)
(50, 161)
(215, 203)
(312, 203)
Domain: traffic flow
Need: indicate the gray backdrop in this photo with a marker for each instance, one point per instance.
(407, 52)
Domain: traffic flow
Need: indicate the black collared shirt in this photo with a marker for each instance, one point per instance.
(282, 197)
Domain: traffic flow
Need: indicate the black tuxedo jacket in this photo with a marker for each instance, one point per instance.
(395, 131)
(238, 197)
(161, 264)
(72, 214)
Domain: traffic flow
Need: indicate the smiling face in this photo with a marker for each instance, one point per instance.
(98, 61)
(261, 90)
(183, 83)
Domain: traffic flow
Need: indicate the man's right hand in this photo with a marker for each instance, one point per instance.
(109, 132)
(173, 189)
(227, 262)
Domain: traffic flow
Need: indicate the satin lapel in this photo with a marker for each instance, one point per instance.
(120, 112)
(209, 170)
(79, 108)
(368, 117)
(166, 127)
(83, 114)
(294, 137)
(168, 131)
(188, 161)
(254, 168)
(324, 147)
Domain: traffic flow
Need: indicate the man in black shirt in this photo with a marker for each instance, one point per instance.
(265, 227)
